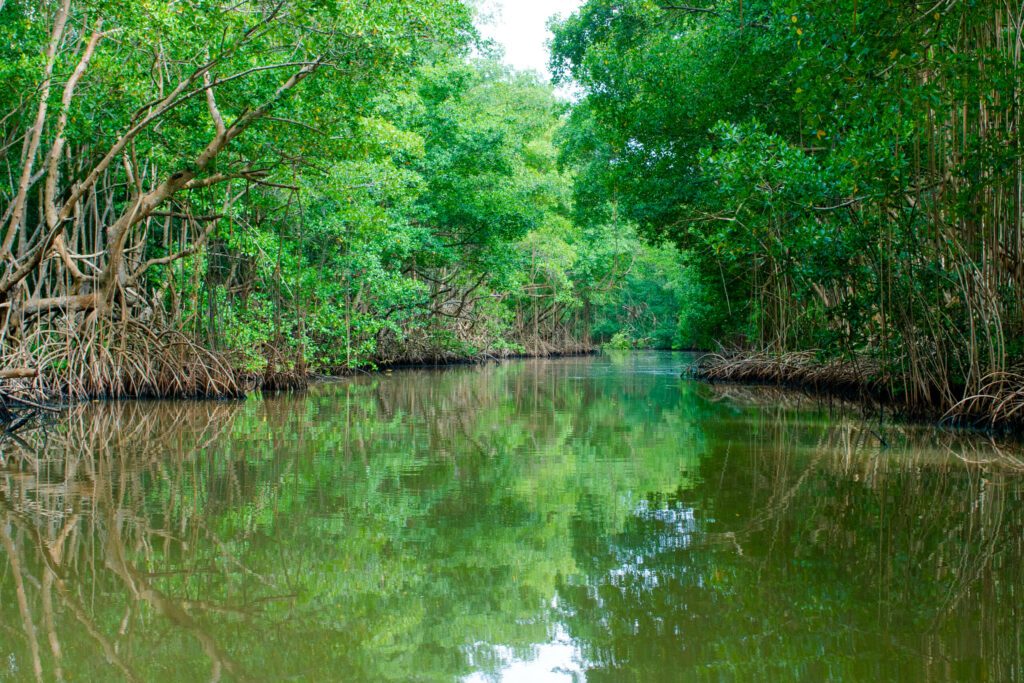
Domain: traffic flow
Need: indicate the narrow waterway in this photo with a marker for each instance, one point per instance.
(585, 519)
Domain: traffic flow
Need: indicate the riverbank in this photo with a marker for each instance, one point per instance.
(444, 361)
(999, 406)
(26, 393)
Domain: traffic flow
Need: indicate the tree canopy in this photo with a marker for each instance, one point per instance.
(843, 180)
(205, 197)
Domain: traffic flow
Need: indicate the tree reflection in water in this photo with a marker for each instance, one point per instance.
(584, 518)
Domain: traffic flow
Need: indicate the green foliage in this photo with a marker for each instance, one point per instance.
(843, 180)
(403, 200)
(620, 341)
(643, 302)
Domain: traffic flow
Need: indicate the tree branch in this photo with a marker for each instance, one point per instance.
(32, 143)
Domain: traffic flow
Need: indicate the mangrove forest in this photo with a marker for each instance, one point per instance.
(204, 198)
(339, 341)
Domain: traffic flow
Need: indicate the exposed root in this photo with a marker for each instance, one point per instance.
(540, 347)
(281, 374)
(103, 358)
(998, 404)
(425, 347)
(800, 369)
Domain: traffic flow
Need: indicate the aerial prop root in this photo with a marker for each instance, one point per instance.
(803, 369)
(100, 357)
(999, 402)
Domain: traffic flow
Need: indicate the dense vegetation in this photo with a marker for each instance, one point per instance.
(203, 196)
(200, 197)
(844, 181)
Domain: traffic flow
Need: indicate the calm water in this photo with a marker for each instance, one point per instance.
(591, 519)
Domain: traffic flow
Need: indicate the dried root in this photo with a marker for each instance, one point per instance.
(281, 374)
(999, 402)
(458, 345)
(799, 369)
(103, 358)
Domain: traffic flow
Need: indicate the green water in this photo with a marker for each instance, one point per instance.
(592, 519)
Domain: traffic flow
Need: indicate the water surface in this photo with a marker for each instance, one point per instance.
(588, 519)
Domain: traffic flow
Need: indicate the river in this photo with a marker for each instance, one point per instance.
(584, 519)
